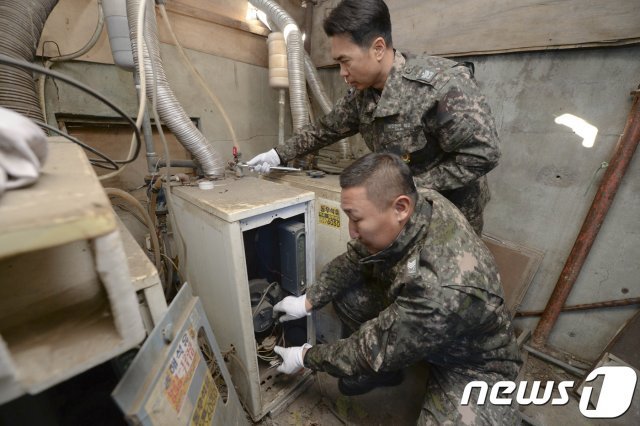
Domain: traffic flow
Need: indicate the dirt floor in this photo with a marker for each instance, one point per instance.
(323, 404)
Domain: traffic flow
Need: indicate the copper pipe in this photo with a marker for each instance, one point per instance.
(597, 212)
(586, 306)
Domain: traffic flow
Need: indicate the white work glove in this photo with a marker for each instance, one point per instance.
(293, 307)
(262, 163)
(292, 360)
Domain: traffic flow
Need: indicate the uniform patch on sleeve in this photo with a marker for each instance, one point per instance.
(412, 266)
(426, 75)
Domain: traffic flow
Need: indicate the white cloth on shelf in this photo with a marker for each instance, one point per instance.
(23, 150)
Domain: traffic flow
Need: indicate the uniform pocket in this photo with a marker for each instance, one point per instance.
(403, 142)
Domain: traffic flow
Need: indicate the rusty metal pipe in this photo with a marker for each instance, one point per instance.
(586, 306)
(591, 226)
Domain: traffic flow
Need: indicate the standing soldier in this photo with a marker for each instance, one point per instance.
(416, 284)
(425, 109)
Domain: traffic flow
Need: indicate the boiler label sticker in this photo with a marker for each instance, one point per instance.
(181, 368)
(329, 216)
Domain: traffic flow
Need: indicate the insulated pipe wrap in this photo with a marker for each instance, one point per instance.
(115, 12)
(21, 24)
(316, 86)
(169, 109)
(297, 84)
(321, 96)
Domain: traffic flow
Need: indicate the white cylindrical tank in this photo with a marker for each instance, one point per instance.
(278, 72)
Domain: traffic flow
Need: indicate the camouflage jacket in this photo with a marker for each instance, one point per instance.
(444, 302)
(430, 113)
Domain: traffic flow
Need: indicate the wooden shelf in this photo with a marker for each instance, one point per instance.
(66, 204)
(67, 298)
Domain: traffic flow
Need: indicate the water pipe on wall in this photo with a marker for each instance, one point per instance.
(591, 226)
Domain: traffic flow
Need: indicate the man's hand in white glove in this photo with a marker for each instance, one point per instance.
(293, 307)
(292, 358)
(262, 163)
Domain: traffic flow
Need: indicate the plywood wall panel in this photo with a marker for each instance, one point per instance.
(469, 27)
(217, 27)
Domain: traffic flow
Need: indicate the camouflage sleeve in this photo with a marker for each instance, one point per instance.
(335, 278)
(338, 124)
(465, 129)
(407, 331)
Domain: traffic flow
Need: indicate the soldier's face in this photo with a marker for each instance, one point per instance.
(359, 67)
(375, 228)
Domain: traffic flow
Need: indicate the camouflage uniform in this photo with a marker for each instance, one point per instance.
(431, 114)
(433, 295)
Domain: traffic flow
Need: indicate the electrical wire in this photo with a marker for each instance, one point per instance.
(142, 96)
(264, 295)
(130, 199)
(142, 101)
(165, 146)
(198, 76)
(83, 145)
(174, 266)
(19, 63)
(267, 353)
(123, 207)
(244, 370)
(92, 41)
(84, 49)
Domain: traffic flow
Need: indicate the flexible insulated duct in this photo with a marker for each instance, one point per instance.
(297, 86)
(169, 109)
(323, 100)
(300, 64)
(21, 24)
(316, 85)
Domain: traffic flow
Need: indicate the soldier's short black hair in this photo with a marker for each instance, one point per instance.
(384, 175)
(363, 20)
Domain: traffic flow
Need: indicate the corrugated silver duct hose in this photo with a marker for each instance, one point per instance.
(300, 64)
(169, 109)
(316, 85)
(21, 24)
(295, 59)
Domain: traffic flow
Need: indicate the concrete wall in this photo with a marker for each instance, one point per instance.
(544, 185)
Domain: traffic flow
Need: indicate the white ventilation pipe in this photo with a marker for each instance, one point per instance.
(115, 12)
(278, 75)
(316, 85)
(299, 65)
(297, 86)
(169, 109)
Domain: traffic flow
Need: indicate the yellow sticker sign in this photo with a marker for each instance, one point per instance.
(207, 402)
(329, 216)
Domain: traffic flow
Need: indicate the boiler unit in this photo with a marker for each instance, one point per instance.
(243, 247)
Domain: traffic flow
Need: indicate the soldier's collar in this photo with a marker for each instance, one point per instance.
(390, 100)
(415, 228)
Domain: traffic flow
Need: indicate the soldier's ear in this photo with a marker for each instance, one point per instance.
(402, 206)
(379, 47)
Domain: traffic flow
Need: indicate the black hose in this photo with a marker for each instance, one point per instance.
(83, 145)
(7, 60)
